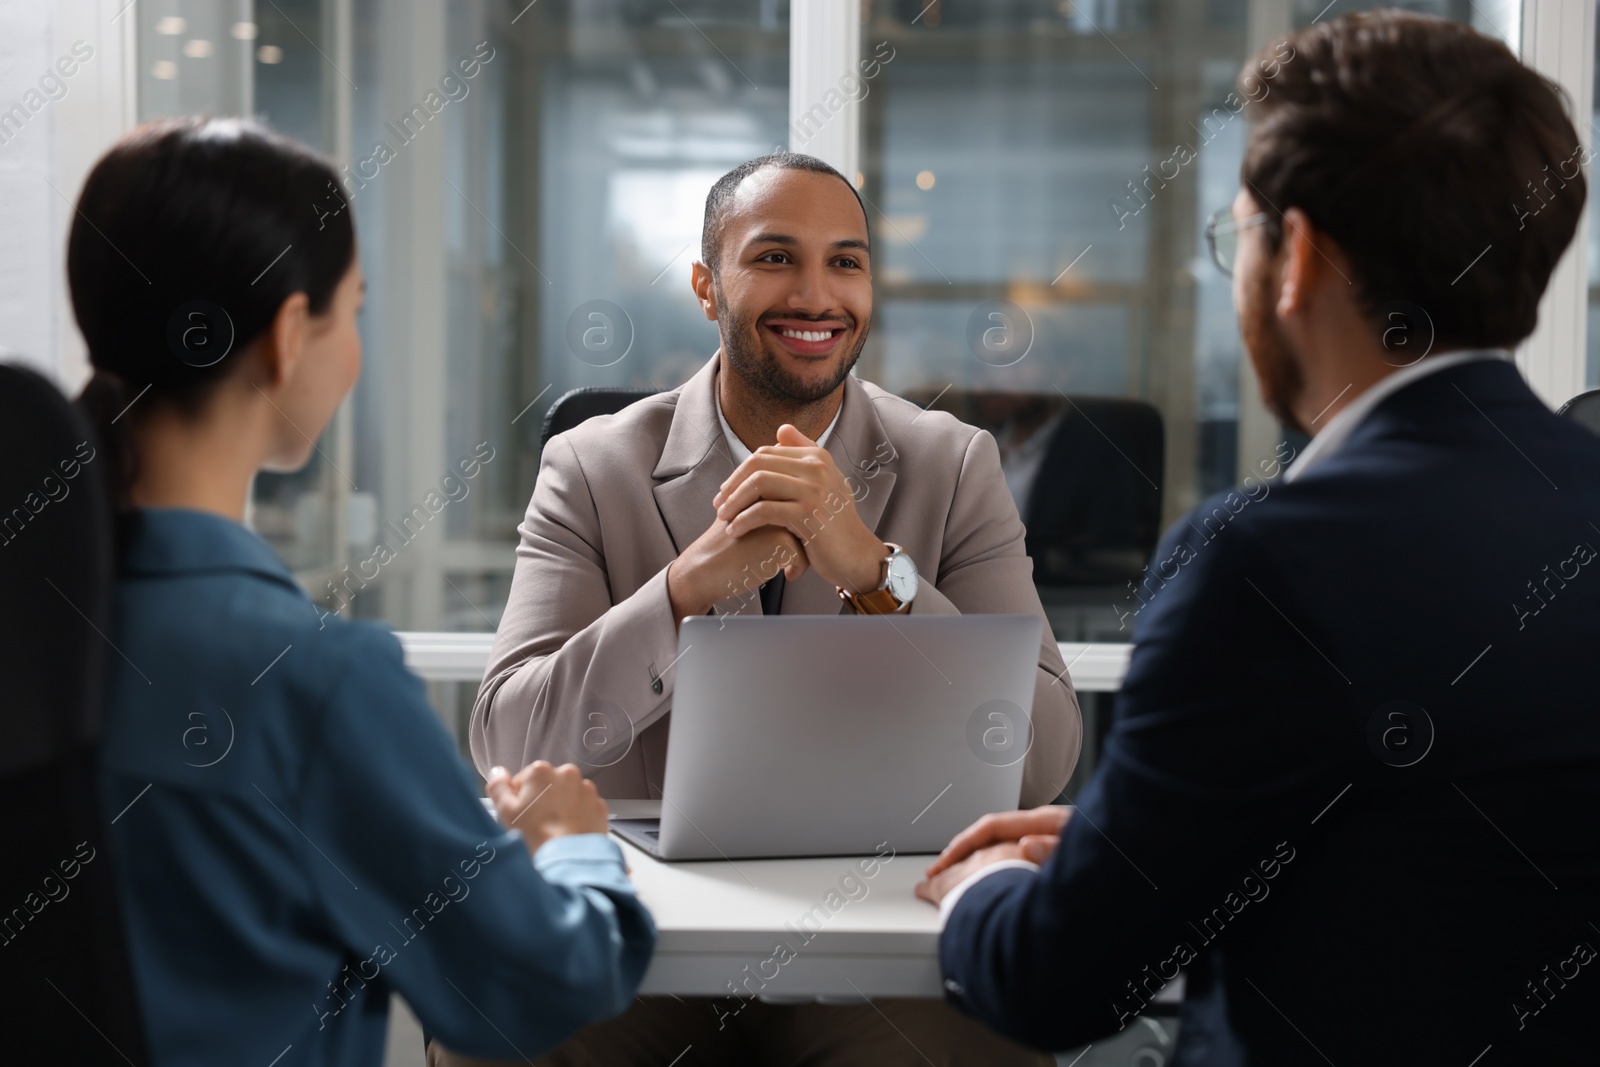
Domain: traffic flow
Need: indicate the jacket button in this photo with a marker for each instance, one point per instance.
(655, 686)
(953, 986)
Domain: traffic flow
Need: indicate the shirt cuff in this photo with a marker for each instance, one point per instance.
(948, 904)
(579, 848)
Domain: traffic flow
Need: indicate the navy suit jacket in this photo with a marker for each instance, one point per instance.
(1353, 786)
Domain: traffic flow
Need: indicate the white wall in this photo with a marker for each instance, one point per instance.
(52, 128)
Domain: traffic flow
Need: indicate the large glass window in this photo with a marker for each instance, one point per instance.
(1023, 157)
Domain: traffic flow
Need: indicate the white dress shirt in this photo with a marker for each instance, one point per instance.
(736, 446)
(1342, 425)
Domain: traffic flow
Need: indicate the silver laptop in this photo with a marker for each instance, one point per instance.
(818, 735)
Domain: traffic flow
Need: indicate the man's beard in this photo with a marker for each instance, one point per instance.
(760, 368)
(1270, 352)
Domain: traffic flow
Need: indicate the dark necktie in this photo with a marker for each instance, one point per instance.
(772, 595)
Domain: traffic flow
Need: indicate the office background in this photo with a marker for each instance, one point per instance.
(1002, 147)
(518, 167)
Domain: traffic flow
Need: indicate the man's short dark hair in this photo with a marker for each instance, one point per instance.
(1447, 171)
(720, 200)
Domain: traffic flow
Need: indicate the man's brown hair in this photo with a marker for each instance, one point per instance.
(1447, 171)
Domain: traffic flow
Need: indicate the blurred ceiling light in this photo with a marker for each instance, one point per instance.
(245, 31)
(164, 70)
(925, 179)
(904, 229)
(861, 179)
(269, 53)
(198, 48)
(171, 26)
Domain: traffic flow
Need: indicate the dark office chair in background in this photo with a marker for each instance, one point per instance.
(576, 405)
(1094, 515)
(1584, 409)
(65, 980)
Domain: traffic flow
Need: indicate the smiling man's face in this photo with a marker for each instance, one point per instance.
(794, 284)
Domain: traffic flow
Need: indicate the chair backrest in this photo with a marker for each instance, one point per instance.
(573, 407)
(1093, 510)
(1584, 409)
(1094, 513)
(63, 945)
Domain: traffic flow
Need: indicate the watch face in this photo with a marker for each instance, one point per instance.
(902, 584)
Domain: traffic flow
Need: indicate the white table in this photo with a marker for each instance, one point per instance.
(722, 921)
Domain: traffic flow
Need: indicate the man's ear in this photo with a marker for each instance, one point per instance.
(705, 290)
(1302, 263)
(286, 339)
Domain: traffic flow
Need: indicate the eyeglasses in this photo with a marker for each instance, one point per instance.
(1222, 235)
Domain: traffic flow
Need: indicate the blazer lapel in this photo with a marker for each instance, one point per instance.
(694, 462)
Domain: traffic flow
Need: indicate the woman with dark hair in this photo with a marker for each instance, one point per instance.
(295, 836)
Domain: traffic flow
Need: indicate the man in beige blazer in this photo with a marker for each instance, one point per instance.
(771, 458)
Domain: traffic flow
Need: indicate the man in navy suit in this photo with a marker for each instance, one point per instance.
(1353, 787)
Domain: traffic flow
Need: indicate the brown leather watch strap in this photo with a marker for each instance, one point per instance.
(877, 602)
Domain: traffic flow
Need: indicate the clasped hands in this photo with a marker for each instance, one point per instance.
(1028, 835)
(785, 508)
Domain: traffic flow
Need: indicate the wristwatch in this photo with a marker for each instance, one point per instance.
(898, 588)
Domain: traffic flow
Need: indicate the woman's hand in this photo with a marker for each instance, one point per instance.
(546, 802)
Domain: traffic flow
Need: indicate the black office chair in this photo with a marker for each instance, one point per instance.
(573, 407)
(1584, 409)
(1094, 514)
(65, 979)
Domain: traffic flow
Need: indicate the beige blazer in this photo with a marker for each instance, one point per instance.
(580, 670)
